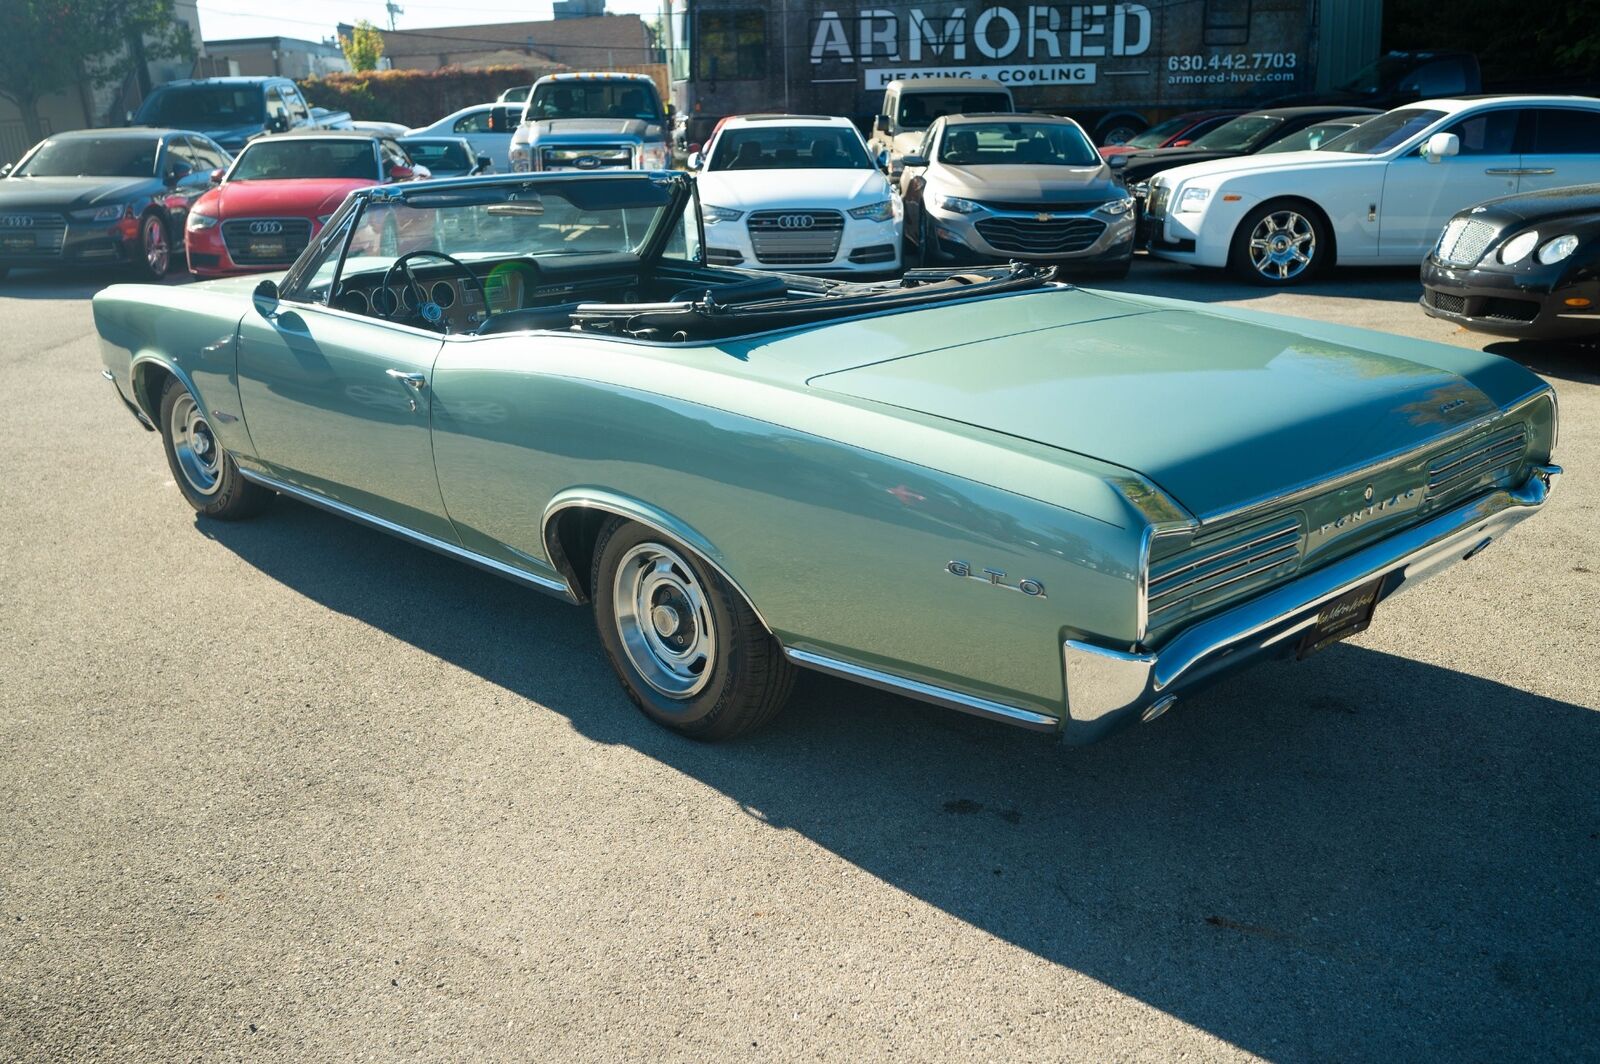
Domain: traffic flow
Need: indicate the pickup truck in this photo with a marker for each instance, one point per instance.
(592, 121)
(232, 110)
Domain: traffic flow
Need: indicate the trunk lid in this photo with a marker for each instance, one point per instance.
(1219, 413)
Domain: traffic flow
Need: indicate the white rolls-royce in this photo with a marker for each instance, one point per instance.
(1376, 196)
(797, 193)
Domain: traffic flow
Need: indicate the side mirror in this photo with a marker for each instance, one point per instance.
(1440, 146)
(484, 162)
(1118, 162)
(694, 162)
(278, 123)
(401, 173)
(880, 123)
(505, 117)
(672, 112)
(883, 159)
(907, 162)
(266, 297)
(216, 175)
(4, 170)
(178, 171)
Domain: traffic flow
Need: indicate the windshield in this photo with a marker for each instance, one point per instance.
(789, 148)
(1241, 134)
(1379, 75)
(1159, 133)
(202, 108)
(439, 155)
(1309, 138)
(919, 109)
(1016, 144)
(113, 156)
(527, 220)
(595, 99)
(1385, 131)
(291, 157)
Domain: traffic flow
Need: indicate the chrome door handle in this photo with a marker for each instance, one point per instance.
(1550, 170)
(1520, 170)
(414, 383)
(1508, 170)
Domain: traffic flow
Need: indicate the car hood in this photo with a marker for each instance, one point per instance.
(1219, 410)
(557, 130)
(748, 190)
(1141, 164)
(299, 197)
(1269, 164)
(1575, 204)
(1026, 183)
(232, 137)
(71, 193)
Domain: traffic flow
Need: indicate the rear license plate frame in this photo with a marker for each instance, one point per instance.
(1340, 618)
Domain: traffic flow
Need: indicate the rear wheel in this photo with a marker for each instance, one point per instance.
(1279, 244)
(204, 472)
(689, 650)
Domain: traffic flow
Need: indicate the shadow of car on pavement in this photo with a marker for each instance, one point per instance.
(1360, 856)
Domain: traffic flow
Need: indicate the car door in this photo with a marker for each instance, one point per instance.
(1420, 195)
(340, 404)
(1561, 146)
(474, 126)
(187, 177)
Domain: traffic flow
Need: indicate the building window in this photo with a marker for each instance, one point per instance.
(730, 45)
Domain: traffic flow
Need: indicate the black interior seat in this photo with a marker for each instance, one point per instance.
(557, 317)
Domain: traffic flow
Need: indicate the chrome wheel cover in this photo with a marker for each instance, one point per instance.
(157, 254)
(198, 453)
(1282, 245)
(664, 620)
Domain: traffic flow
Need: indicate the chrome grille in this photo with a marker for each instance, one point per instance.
(1223, 567)
(780, 239)
(1486, 459)
(237, 237)
(587, 157)
(1446, 302)
(25, 233)
(1463, 241)
(1030, 236)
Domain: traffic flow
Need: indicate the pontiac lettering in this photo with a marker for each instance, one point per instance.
(1372, 509)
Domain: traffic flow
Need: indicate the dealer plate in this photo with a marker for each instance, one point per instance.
(21, 243)
(1342, 618)
(268, 249)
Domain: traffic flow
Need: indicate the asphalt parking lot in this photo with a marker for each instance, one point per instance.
(292, 789)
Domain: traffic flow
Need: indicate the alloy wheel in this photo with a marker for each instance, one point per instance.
(157, 252)
(198, 453)
(1282, 245)
(664, 620)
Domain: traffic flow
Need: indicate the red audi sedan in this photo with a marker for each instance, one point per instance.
(278, 193)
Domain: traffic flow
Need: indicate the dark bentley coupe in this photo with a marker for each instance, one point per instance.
(1525, 266)
(109, 197)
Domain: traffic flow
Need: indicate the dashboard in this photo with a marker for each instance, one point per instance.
(508, 286)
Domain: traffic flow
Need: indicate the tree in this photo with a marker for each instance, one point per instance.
(59, 44)
(364, 47)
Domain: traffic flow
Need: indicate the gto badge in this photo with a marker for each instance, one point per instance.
(995, 578)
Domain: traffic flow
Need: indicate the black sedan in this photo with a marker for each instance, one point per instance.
(447, 156)
(1245, 135)
(104, 197)
(1525, 265)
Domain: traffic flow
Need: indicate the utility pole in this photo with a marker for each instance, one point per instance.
(393, 9)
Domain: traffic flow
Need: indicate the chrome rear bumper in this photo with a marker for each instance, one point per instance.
(1109, 688)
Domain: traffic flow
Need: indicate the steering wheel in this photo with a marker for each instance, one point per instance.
(430, 312)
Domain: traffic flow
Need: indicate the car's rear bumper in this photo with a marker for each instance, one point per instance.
(1109, 688)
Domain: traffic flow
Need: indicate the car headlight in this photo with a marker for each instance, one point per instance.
(1559, 248)
(653, 157)
(1192, 199)
(1516, 249)
(713, 215)
(109, 212)
(1117, 207)
(198, 221)
(520, 157)
(959, 205)
(882, 211)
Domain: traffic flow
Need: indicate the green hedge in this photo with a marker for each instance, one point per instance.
(414, 97)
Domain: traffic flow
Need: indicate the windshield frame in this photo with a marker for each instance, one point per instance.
(1373, 124)
(1268, 123)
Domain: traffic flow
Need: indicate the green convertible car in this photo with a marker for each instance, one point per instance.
(1060, 508)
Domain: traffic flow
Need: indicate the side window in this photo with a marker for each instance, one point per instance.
(297, 106)
(179, 155)
(393, 155)
(1564, 131)
(207, 155)
(477, 122)
(277, 110)
(684, 243)
(1491, 133)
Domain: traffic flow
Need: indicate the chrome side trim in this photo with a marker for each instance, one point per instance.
(633, 510)
(925, 692)
(539, 583)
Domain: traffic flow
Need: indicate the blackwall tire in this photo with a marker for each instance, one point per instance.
(205, 473)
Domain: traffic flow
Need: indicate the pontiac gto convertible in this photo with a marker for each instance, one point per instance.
(1060, 508)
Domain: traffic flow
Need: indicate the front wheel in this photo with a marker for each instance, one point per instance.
(1279, 244)
(689, 650)
(154, 253)
(204, 472)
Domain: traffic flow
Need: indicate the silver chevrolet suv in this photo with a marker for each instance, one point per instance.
(588, 122)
